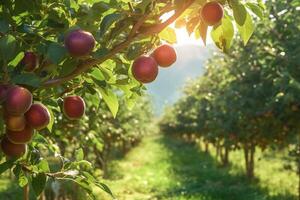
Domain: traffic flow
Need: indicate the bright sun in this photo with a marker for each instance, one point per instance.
(184, 38)
(182, 35)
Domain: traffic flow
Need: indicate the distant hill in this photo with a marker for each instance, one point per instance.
(167, 88)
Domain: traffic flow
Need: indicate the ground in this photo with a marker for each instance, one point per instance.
(162, 168)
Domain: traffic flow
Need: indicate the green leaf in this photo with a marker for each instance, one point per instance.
(97, 74)
(256, 9)
(4, 26)
(107, 21)
(247, 29)
(111, 100)
(104, 188)
(100, 53)
(22, 179)
(83, 184)
(39, 183)
(79, 154)
(8, 47)
(144, 5)
(27, 79)
(169, 35)
(50, 125)
(43, 166)
(56, 53)
(239, 12)
(16, 60)
(134, 50)
(223, 34)
(68, 66)
(85, 163)
(6, 165)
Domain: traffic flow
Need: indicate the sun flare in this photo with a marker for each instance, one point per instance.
(183, 36)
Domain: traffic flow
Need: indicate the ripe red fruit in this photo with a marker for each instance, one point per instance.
(79, 43)
(212, 13)
(38, 116)
(145, 69)
(73, 107)
(12, 150)
(18, 100)
(15, 123)
(165, 55)
(30, 61)
(20, 137)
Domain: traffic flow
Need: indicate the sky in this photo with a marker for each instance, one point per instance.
(191, 58)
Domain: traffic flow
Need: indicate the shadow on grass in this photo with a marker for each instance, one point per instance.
(200, 178)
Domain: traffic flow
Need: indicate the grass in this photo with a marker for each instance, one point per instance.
(162, 168)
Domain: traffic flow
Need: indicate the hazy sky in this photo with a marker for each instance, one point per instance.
(167, 87)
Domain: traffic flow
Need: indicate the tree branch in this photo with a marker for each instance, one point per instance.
(134, 33)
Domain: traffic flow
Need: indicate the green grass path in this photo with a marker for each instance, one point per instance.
(167, 169)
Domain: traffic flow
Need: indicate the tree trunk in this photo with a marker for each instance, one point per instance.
(225, 156)
(252, 152)
(218, 149)
(26, 192)
(206, 147)
(106, 152)
(249, 151)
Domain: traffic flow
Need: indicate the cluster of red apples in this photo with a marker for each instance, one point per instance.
(22, 117)
(145, 68)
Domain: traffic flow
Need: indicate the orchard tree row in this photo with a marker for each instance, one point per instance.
(54, 54)
(248, 98)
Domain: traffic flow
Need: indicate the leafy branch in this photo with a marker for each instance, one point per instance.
(134, 33)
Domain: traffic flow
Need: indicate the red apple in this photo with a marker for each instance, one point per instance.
(15, 123)
(38, 116)
(30, 61)
(79, 43)
(12, 150)
(18, 100)
(145, 69)
(73, 107)
(165, 55)
(20, 137)
(212, 13)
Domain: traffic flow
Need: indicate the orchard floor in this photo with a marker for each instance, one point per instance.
(162, 168)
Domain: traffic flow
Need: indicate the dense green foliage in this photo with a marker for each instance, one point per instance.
(249, 97)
